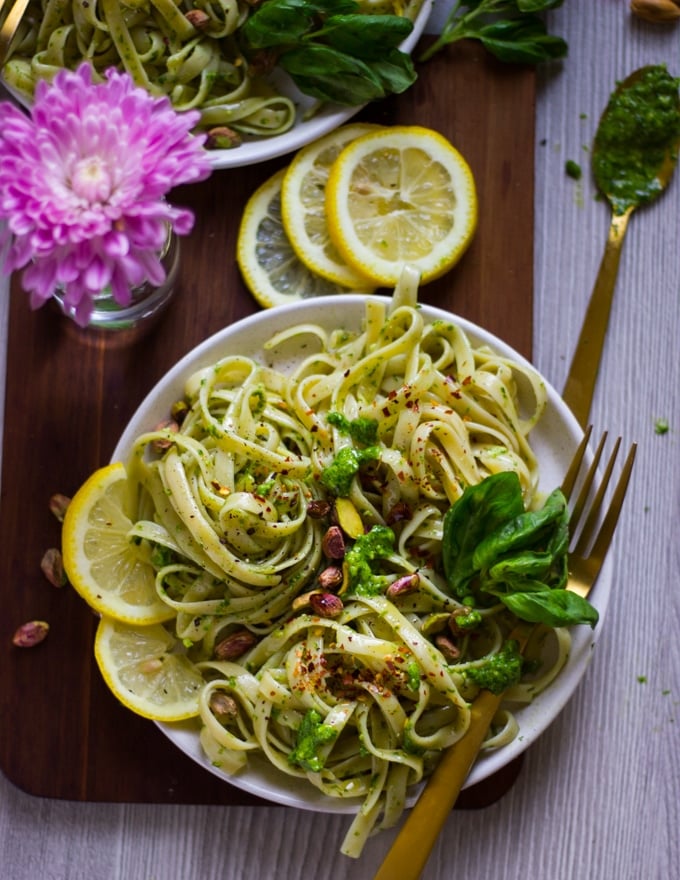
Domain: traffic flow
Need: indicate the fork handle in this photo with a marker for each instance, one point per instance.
(580, 385)
(411, 849)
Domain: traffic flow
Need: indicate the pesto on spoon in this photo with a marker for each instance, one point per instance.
(634, 155)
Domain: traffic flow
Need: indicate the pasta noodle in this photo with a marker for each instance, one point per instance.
(235, 504)
(160, 48)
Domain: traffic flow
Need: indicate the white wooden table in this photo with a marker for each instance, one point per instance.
(597, 797)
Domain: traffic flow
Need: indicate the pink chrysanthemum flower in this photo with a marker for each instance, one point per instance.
(82, 186)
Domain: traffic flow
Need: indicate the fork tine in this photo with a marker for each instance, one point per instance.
(596, 506)
(569, 480)
(582, 500)
(606, 532)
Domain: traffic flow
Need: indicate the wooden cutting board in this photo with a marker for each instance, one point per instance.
(62, 734)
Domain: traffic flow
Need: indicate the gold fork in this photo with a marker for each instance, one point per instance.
(10, 25)
(411, 848)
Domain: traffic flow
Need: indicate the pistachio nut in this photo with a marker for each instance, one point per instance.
(222, 705)
(447, 647)
(347, 517)
(235, 645)
(435, 623)
(403, 585)
(317, 508)
(333, 543)
(656, 11)
(326, 604)
(52, 566)
(221, 137)
(197, 18)
(31, 633)
(58, 505)
(161, 444)
(330, 578)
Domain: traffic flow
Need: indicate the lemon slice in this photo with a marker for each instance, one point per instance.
(112, 573)
(303, 206)
(401, 195)
(143, 669)
(270, 267)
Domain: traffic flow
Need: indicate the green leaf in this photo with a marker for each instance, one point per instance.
(522, 41)
(396, 72)
(277, 23)
(479, 511)
(552, 607)
(537, 5)
(329, 75)
(530, 529)
(367, 37)
(493, 547)
(525, 572)
(512, 30)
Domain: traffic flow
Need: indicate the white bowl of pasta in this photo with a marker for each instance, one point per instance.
(198, 67)
(276, 375)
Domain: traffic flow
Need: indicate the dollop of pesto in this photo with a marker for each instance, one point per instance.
(363, 430)
(311, 735)
(338, 476)
(500, 671)
(376, 544)
(639, 129)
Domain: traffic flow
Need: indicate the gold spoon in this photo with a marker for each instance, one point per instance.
(634, 156)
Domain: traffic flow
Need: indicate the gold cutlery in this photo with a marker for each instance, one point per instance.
(10, 25)
(625, 188)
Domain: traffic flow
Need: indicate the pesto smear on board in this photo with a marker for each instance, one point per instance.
(639, 128)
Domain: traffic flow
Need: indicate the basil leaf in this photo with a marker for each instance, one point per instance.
(552, 607)
(396, 72)
(537, 5)
(527, 530)
(367, 37)
(512, 30)
(526, 571)
(479, 512)
(277, 23)
(521, 41)
(329, 75)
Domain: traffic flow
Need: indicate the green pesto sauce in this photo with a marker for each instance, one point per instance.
(362, 430)
(500, 671)
(638, 129)
(573, 169)
(338, 476)
(311, 735)
(376, 544)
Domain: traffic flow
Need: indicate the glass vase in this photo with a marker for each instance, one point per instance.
(148, 301)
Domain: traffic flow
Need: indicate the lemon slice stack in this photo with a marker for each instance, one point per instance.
(352, 209)
(140, 660)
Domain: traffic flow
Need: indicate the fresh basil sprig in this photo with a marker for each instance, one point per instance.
(493, 549)
(512, 30)
(331, 50)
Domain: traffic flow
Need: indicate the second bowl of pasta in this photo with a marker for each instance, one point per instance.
(195, 53)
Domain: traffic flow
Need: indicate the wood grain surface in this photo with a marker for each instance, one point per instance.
(69, 396)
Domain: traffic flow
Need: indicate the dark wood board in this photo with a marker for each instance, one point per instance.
(62, 734)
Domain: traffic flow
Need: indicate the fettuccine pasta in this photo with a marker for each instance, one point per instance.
(351, 685)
